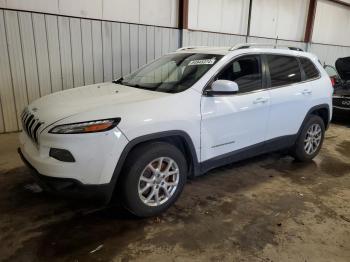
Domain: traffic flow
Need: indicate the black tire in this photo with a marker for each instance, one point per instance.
(298, 151)
(134, 166)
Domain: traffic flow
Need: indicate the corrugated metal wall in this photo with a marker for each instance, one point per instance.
(326, 53)
(127, 11)
(41, 54)
(191, 37)
(269, 18)
(200, 38)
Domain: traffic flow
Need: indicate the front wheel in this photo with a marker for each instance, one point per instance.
(310, 139)
(154, 177)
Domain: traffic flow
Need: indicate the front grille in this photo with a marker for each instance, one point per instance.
(31, 125)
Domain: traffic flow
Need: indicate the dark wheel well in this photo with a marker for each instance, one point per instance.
(323, 113)
(177, 140)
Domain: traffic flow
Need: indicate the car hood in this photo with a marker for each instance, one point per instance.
(343, 67)
(60, 105)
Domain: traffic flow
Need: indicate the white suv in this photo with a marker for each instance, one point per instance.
(183, 114)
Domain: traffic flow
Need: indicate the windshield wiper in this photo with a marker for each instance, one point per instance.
(118, 81)
(136, 86)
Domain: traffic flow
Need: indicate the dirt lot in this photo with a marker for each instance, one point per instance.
(264, 209)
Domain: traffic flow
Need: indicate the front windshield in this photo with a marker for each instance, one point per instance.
(171, 73)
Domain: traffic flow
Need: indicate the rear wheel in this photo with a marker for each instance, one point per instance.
(154, 177)
(310, 140)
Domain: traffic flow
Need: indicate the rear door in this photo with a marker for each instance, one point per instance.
(290, 95)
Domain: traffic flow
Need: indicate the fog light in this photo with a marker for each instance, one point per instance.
(61, 155)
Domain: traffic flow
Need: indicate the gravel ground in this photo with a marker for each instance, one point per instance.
(268, 208)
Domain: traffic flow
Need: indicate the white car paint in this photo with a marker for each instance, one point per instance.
(233, 122)
(216, 125)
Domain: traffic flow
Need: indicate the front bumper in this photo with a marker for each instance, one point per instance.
(341, 114)
(70, 187)
(341, 104)
(90, 175)
(96, 155)
(341, 109)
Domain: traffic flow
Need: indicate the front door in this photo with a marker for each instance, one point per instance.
(233, 122)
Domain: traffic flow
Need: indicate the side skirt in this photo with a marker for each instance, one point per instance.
(272, 145)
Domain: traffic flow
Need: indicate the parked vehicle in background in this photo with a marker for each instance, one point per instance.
(340, 77)
(180, 116)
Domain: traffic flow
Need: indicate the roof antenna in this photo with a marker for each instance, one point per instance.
(276, 43)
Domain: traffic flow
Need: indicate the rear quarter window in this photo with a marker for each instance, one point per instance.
(309, 68)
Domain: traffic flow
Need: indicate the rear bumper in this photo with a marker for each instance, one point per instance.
(69, 187)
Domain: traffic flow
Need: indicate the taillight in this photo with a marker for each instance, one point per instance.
(333, 81)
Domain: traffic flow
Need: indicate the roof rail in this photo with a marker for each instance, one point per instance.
(249, 45)
(190, 47)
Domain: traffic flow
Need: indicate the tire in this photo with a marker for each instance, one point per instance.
(300, 151)
(143, 164)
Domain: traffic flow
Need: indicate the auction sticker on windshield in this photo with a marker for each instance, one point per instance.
(202, 62)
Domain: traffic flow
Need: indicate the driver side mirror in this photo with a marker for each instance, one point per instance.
(222, 87)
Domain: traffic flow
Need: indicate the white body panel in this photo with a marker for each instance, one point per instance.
(233, 122)
(216, 125)
(96, 155)
(288, 108)
(290, 104)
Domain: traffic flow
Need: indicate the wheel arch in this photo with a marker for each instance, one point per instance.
(322, 111)
(176, 137)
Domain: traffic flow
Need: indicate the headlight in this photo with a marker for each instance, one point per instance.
(86, 127)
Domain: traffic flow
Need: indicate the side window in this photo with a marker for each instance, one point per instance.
(309, 68)
(284, 70)
(245, 71)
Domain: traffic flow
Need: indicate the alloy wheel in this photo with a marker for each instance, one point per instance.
(158, 181)
(312, 139)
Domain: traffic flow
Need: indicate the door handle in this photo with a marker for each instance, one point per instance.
(306, 92)
(260, 100)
